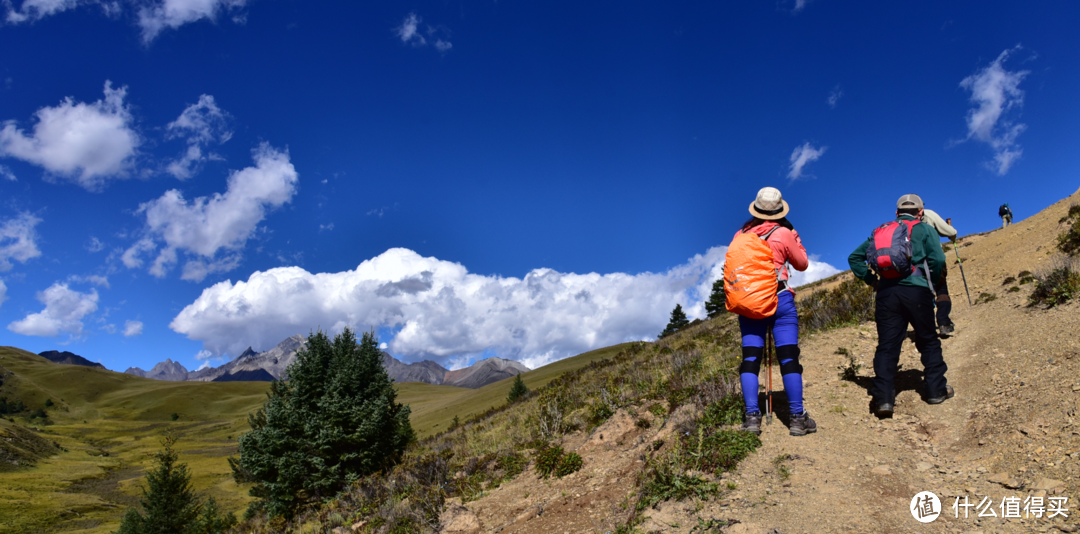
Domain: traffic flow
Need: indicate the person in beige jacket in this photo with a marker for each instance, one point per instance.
(943, 302)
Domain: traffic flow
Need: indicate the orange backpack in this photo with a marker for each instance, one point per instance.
(751, 279)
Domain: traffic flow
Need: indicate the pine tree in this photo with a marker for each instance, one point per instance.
(716, 304)
(517, 390)
(678, 321)
(169, 503)
(335, 420)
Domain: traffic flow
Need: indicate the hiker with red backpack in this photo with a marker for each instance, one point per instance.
(756, 288)
(902, 260)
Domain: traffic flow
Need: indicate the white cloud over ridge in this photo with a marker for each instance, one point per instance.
(200, 124)
(64, 311)
(441, 311)
(85, 143)
(994, 91)
(801, 156)
(208, 225)
(18, 240)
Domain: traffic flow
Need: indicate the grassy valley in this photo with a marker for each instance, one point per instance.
(79, 469)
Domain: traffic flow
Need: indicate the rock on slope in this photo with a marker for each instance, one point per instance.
(68, 358)
(1013, 429)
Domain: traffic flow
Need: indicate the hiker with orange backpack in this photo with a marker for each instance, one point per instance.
(902, 260)
(756, 288)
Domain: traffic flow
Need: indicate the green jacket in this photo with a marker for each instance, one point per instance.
(925, 245)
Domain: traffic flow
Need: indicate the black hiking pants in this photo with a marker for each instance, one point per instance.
(897, 307)
(943, 301)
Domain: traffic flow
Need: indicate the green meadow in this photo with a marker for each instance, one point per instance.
(86, 468)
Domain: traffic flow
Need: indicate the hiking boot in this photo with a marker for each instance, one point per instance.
(884, 410)
(752, 423)
(949, 393)
(947, 329)
(802, 425)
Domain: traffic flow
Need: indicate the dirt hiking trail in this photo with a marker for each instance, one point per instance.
(1011, 430)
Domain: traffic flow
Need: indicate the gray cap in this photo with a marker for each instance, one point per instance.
(908, 202)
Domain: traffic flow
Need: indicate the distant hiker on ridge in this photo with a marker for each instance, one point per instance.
(756, 285)
(903, 257)
(944, 302)
(1006, 215)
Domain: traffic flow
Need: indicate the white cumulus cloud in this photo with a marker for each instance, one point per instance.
(64, 311)
(18, 240)
(171, 14)
(86, 143)
(213, 230)
(132, 328)
(5, 172)
(994, 91)
(801, 156)
(439, 310)
(408, 31)
(3, 292)
(32, 10)
(200, 124)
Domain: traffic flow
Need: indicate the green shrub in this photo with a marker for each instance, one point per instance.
(852, 302)
(49, 403)
(1014, 289)
(658, 410)
(554, 461)
(1026, 279)
(726, 411)
(985, 297)
(174, 417)
(850, 371)
(1023, 274)
(842, 351)
(1008, 280)
(1069, 240)
(1058, 284)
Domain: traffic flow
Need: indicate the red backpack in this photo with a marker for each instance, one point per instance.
(889, 254)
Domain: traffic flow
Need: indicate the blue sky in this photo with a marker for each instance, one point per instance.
(182, 179)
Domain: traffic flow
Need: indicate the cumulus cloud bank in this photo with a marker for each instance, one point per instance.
(995, 91)
(32, 10)
(209, 225)
(801, 156)
(86, 143)
(441, 311)
(200, 124)
(18, 240)
(64, 311)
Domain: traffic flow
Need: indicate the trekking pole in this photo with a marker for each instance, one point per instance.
(960, 262)
(768, 363)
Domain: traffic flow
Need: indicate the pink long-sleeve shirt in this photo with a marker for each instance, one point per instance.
(786, 247)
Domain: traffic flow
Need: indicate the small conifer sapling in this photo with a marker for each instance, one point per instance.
(678, 321)
(517, 390)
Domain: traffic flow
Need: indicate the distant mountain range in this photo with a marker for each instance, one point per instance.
(68, 358)
(271, 365)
